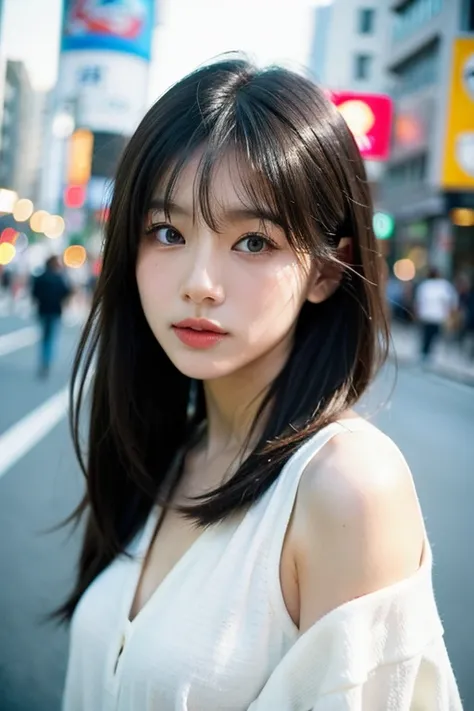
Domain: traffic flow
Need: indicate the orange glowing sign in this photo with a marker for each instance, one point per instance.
(80, 156)
(369, 116)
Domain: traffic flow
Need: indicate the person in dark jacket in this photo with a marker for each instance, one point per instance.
(50, 290)
(468, 329)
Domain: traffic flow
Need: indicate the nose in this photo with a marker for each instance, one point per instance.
(202, 283)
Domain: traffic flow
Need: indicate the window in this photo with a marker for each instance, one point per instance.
(418, 71)
(362, 66)
(467, 21)
(366, 20)
(413, 15)
(410, 172)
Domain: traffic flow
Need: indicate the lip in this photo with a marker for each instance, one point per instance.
(199, 333)
(200, 325)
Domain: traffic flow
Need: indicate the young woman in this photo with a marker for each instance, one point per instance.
(251, 543)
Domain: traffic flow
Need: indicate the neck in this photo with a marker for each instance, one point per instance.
(232, 403)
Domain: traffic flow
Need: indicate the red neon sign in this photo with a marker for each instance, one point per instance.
(369, 116)
(74, 196)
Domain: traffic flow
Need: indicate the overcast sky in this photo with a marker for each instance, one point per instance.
(191, 32)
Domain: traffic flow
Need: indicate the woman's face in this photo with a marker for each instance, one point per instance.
(245, 280)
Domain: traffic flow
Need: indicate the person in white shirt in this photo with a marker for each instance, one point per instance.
(251, 543)
(436, 300)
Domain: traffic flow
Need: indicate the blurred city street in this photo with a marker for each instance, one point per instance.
(428, 416)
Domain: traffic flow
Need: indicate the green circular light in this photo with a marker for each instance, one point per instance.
(383, 225)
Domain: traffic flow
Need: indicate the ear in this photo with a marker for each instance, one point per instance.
(325, 280)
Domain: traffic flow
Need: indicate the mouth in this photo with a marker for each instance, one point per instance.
(200, 325)
(199, 333)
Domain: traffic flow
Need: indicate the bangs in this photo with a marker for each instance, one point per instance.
(275, 171)
(255, 194)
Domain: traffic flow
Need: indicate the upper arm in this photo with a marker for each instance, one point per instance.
(358, 524)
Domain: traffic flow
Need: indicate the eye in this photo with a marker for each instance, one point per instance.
(254, 244)
(164, 234)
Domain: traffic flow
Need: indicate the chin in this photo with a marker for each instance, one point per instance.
(205, 364)
(203, 367)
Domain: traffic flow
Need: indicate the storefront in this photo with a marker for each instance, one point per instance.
(458, 158)
(461, 216)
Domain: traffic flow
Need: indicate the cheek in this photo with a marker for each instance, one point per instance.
(150, 287)
(276, 299)
(282, 288)
(150, 278)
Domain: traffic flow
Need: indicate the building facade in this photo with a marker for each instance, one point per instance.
(14, 127)
(100, 96)
(428, 188)
(349, 43)
(348, 51)
(21, 132)
(2, 70)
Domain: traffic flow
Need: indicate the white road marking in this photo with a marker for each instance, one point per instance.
(23, 435)
(31, 429)
(18, 339)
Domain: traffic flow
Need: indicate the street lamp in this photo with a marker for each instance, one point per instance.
(63, 125)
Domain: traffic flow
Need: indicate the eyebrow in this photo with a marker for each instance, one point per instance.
(233, 214)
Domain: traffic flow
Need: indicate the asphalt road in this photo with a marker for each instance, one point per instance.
(431, 419)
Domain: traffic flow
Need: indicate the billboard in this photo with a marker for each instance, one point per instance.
(124, 26)
(369, 116)
(105, 91)
(458, 149)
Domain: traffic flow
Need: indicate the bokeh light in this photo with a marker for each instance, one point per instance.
(63, 125)
(74, 195)
(462, 217)
(7, 252)
(53, 226)
(419, 257)
(8, 235)
(8, 198)
(404, 270)
(21, 242)
(38, 220)
(74, 256)
(23, 210)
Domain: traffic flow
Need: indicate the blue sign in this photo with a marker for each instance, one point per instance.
(124, 26)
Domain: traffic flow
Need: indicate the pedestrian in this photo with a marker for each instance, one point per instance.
(251, 542)
(49, 290)
(6, 283)
(468, 321)
(436, 302)
(394, 293)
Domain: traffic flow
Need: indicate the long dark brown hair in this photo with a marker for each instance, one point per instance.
(308, 172)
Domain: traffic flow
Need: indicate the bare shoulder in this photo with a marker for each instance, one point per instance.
(357, 522)
(356, 472)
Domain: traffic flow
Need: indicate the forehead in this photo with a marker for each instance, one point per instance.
(227, 187)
